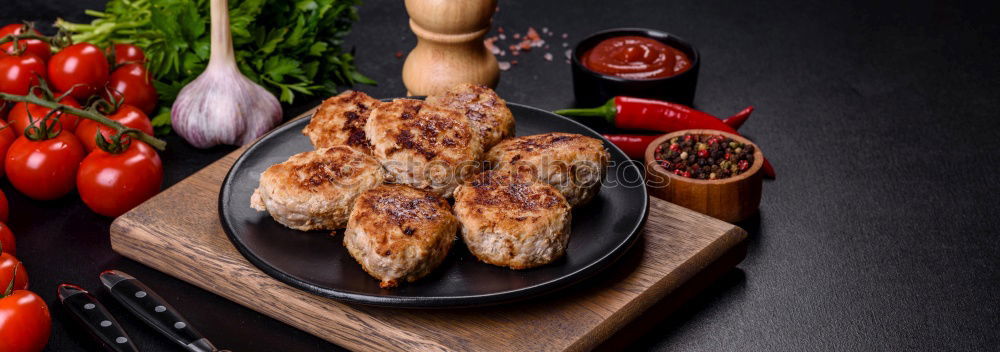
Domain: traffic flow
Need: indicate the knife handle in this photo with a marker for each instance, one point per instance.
(154, 310)
(92, 314)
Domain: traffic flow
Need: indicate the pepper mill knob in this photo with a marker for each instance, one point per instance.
(450, 46)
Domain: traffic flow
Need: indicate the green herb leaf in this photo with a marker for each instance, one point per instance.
(289, 47)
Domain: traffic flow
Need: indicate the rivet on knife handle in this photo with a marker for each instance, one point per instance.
(146, 304)
(92, 314)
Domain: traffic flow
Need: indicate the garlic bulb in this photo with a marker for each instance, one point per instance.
(222, 106)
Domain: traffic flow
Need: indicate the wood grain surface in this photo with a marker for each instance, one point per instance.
(178, 232)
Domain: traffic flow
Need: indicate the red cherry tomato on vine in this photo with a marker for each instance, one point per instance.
(133, 83)
(7, 137)
(7, 240)
(82, 67)
(128, 53)
(33, 46)
(112, 184)
(7, 265)
(127, 115)
(25, 322)
(19, 72)
(44, 169)
(19, 115)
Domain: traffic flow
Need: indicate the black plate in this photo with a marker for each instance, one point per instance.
(318, 262)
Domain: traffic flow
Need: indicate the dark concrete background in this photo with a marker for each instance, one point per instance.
(880, 117)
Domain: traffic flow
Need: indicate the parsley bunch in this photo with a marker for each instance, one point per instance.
(287, 46)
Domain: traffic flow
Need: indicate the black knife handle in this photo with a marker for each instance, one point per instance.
(92, 314)
(155, 311)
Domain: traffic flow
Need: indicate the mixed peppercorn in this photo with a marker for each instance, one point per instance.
(705, 157)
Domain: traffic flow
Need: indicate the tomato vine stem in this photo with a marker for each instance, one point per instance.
(88, 114)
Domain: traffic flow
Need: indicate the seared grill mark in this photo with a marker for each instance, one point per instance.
(341, 120)
(402, 208)
(539, 142)
(411, 110)
(326, 171)
(358, 138)
(493, 189)
(406, 140)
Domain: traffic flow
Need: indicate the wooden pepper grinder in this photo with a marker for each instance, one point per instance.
(450, 46)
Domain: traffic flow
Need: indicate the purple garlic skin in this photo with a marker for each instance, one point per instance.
(222, 106)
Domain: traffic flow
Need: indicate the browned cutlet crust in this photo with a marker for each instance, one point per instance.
(315, 190)
(424, 146)
(341, 120)
(572, 163)
(512, 220)
(487, 111)
(398, 233)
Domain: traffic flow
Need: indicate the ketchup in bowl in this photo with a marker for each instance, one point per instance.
(635, 57)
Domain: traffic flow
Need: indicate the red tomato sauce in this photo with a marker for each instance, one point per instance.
(636, 57)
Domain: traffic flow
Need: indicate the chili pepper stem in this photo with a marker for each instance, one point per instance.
(607, 111)
(118, 127)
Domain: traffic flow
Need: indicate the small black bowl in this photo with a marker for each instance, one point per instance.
(592, 88)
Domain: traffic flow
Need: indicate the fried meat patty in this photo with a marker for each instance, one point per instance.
(315, 190)
(513, 220)
(399, 233)
(572, 163)
(425, 146)
(341, 120)
(487, 111)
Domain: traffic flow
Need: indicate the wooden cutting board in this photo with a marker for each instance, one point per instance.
(679, 253)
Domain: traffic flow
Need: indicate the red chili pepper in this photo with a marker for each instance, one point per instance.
(655, 115)
(634, 145)
(647, 114)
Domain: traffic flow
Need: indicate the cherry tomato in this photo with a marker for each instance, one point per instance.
(25, 322)
(7, 239)
(44, 169)
(133, 83)
(4, 211)
(33, 46)
(128, 53)
(81, 65)
(7, 265)
(112, 184)
(127, 115)
(19, 116)
(7, 137)
(19, 72)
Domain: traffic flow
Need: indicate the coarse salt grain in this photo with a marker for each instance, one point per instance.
(548, 56)
(532, 34)
(504, 65)
(569, 53)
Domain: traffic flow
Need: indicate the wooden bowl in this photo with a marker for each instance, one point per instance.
(731, 199)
